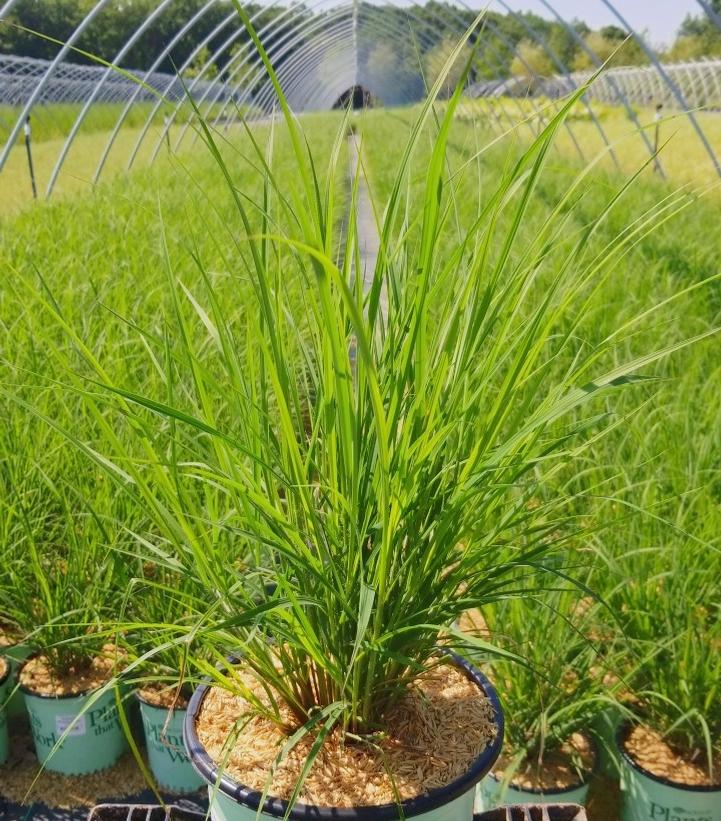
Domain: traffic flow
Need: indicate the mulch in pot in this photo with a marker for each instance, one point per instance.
(665, 760)
(564, 769)
(38, 677)
(432, 736)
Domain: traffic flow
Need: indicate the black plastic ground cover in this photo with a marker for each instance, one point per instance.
(39, 812)
(534, 812)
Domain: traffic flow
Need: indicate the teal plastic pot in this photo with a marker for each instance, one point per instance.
(93, 735)
(493, 793)
(230, 801)
(168, 760)
(649, 797)
(5, 688)
(16, 654)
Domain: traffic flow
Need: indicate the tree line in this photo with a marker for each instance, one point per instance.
(411, 47)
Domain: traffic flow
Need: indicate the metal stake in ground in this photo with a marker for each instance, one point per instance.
(28, 148)
(657, 133)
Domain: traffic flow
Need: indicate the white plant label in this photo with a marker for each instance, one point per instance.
(63, 722)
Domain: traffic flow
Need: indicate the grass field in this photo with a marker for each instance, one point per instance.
(684, 159)
(88, 289)
(76, 176)
(52, 121)
(51, 124)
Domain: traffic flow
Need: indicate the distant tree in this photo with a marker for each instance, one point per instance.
(111, 28)
(613, 33)
(699, 36)
(563, 45)
(617, 50)
(581, 27)
(702, 25)
(391, 73)
(688, 47)
(532, 60)
(54, 18)
(435, 60)
(199, 63)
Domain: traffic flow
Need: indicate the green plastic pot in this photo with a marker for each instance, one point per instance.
(91, 732)
(230, 801)
(16, 654)
(168, 760)
(5, 687)
(648, 797)
(493, 793)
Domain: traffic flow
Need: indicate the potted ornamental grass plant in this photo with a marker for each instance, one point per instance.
(65, 589)
(551, 701)
(670, 749)
(160, 665)
(370, 446)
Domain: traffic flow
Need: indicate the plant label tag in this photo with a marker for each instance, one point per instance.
(62, 723)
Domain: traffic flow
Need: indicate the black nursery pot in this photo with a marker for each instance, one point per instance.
(231, 801)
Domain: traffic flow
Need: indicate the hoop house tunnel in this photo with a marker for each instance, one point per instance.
(113, 97)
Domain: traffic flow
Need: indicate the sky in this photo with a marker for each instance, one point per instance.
(661, 18)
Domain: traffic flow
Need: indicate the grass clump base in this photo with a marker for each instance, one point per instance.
(432, 735)
(41, 676)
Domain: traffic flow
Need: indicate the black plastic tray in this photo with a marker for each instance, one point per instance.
(142, 812)
(145, 812)
(534, 812)
(192, 807)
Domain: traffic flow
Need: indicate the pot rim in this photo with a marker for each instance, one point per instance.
(278, 808)
(621, 735)
(560, 790)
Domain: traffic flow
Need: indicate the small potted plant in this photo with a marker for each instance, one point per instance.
(160, 670)
(670, 751)
(66, 591)
(551, 701)
(72, 702)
